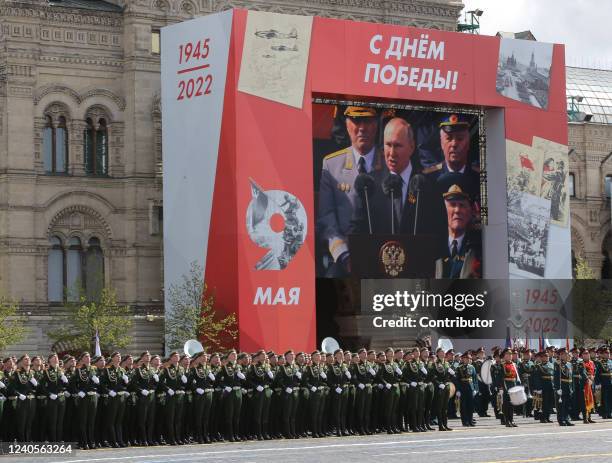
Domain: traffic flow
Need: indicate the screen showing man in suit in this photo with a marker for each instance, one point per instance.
(382, 172)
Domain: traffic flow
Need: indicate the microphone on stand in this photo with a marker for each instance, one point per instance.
(417, 182)
(392, 185)
(364, 185)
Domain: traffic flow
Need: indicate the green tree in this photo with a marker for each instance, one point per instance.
(192, 315)
(104, 314)
(12, 326)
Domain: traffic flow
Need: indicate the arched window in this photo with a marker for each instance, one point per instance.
(74, 269)
(572, 185)
(96, 147)
(94, 269)
(55, 145)
(608, 186)
(55, 271)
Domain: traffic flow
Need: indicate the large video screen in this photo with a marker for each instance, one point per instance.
(398, 191)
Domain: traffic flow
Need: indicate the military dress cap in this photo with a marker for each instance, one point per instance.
(354, 355)
(197, 355)
(300, 353)
(450, 351)
(480, 349)
(173, 353)
(363, 349)
(96, 358)
(380, 354)
(371, 351)
(242, 355)
(389, 349)
(114, 354)
(83, 354)
(315, 352)
(157, 356)
(359, 111)
(465, 355)
(290, 351)
(338, 351)
(455, 123)
(66, 358)
(439, 349)
(455, 192)
(347, 352)
(52, 354)
(270, 353)
(424, 349)
(22, 358)
(215, 354)
(259, 352)
(561, 350)
(505, 351)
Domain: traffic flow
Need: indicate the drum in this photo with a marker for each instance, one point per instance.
(485, 372)
(517, 395)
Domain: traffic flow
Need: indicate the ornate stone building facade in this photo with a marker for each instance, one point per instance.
(589, 91)
(80, 145)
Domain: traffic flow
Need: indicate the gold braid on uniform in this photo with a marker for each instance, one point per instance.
(144, 376)
(83, 378)
(51, 374)
(21, 377)
(200, 371)
(259, 371)
(172, 374)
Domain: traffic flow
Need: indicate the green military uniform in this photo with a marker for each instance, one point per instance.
(526, 369)
(3, 392)
(564, 387)
(316, 385)
(216, 409)
(412, 374)
(467, 389)
(111, 379)
(362, 379)
(143, 384)
(289, 377)
(388, 377)
(259, 380)
(53, 385)
(231, 382)
(544, 372)
(84, 391)
(338, 377)
(170, 381)
(441, 381)
(603, 380)
(21, 390)
(202, 383)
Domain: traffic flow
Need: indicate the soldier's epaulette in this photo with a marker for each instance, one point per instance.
(434, 168)
(476, 168)
(336, 153)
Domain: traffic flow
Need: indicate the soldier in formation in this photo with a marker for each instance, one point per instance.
(123, 401)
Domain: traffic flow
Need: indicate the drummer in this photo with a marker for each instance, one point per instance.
(510, 379)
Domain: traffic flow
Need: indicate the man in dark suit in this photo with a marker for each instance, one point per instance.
(398, 215)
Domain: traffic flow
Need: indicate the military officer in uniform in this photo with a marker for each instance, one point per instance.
(3, 394)
(110, 379)
(507, 379)
(338, 377)
(21, 390)
(289, 378)
(231, 379)
(170, 381)
(603, 380)
(460, 250)
(413, 394)
(314, 380)
(466, 389)
(259, 380)
(442, 375)
(216, 410)
(546, 372)
(563, 382)
(202, 383)
(337, 195)
(144, 384)
(388, 377)
(183, 403)
(53, 385)
(455, 143)
(84, 390)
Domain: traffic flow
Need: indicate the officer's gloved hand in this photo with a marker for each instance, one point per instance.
(398, 371)
(559, 391)
(458, 393)
(270, 374)
(95, 379)
(380, 386)
(388, 385)
(451, 372)
(200, 391)
(64, 379)
(21, 397)
(112, 393)
(144, 392)
(313, 389)
(125, 379)
(323, 375)
(339, 390)
(424, 370)
(52, 396)
(260, 388)
(156, 377)
(171, 392)
(2, 385)
(442, 386)
(33, 381)
(66, 394)
(81, 394)
(361, 386)
(371, 371)
(288, 390)
(240, 375)
(347, 374)
(227, 389)
(475, 393)
(184, 379)
(413, 384)
(211, 376)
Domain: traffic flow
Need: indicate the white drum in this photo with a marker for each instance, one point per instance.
(517, 395)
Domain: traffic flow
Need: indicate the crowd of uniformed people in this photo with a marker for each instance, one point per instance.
(124, 401)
